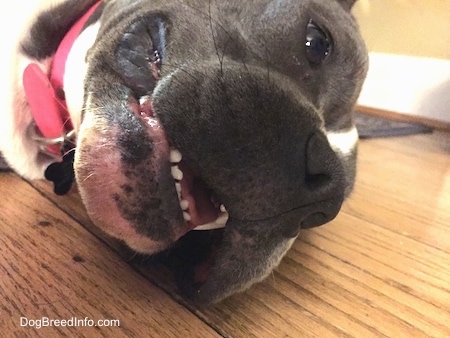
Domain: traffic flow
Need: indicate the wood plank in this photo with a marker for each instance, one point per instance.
(52, 267)
(379, 269)
(407, 179)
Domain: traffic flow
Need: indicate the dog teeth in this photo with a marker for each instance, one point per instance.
(184, 205)
(178, 187)
(177, 173)
(175, 156)
(144, 99)
(220, 222)
(186, 216)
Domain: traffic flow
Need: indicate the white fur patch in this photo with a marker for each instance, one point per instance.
(76, 69)
(344, 141)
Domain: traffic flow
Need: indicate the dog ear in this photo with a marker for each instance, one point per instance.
(347, 4)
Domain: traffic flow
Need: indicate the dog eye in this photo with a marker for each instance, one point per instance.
(318, 43)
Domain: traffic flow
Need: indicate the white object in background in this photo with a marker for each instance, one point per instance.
(409, 85)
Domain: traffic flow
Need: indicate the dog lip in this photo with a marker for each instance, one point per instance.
(146, 107)
(312, 219)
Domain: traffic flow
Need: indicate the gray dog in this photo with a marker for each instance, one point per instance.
(195, 114)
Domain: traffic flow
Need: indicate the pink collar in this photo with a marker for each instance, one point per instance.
(45, 92)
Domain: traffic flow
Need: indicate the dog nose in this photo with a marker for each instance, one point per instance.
(324, 186)
(322, 170)
(324, 177)
(262, 151)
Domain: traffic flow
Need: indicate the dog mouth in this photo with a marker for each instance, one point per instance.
(201, 208)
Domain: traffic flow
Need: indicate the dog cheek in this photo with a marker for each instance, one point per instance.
(99, 183)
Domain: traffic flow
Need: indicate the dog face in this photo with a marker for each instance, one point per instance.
(214, 112)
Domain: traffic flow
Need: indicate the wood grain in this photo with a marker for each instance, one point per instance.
(52, 267)
(380, 269)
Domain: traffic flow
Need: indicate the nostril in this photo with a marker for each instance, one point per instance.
(321, 165)
(314, 182)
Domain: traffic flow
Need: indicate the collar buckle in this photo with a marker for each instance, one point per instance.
(53, 147)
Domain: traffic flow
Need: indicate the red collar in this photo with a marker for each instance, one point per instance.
(45, 92)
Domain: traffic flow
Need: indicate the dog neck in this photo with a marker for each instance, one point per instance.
(45, 92)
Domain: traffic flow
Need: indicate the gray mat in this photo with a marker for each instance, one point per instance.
(371, 126)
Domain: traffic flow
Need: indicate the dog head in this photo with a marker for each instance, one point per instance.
(192, 108)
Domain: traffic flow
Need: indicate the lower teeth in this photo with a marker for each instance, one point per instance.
(186, 216)
(184, 205)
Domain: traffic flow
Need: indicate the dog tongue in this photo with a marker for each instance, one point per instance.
(201, 209)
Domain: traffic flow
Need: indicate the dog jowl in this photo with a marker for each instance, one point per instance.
(199, 114)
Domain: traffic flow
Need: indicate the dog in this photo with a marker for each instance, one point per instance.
(190, 114)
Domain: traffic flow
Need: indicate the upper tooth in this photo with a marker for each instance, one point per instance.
(144, 99)
(187, 217)
(222, 208)
(184, 204)
(175, 156)
(178, 187)
(177, 173)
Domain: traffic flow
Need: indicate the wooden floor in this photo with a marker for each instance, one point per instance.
(382, 268)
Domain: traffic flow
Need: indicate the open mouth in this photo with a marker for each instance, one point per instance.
(192, 270)
(201, 208)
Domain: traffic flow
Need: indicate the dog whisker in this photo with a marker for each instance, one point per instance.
(134, 256)
(69, 151)
(89, 176)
